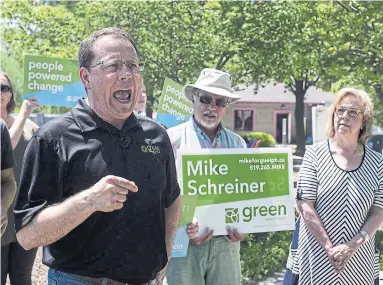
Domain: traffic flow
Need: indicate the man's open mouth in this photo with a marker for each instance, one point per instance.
(123, 96)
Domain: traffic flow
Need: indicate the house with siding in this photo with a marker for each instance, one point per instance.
(262, 109)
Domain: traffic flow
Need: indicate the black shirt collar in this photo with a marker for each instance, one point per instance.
(88, 121)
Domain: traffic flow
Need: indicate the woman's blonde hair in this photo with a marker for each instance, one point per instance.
(367, 111)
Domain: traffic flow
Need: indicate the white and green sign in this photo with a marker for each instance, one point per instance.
(174, 108)
(52, 81)
(181, 240)
(250, 189)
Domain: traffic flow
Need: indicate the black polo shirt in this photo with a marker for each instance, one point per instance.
(73, 152)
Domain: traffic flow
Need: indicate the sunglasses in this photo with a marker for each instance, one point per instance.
(220, 102)
(351, 112)
(5, 88)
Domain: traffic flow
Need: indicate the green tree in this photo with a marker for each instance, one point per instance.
(359, 44)
(33, 28)
(161, 30)
(301, 44)
(363, 33)
(290, 45)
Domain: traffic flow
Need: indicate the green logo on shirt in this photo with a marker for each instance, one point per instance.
(151, 148)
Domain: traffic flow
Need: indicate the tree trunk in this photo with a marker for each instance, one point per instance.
(379, 92)
(299, 114)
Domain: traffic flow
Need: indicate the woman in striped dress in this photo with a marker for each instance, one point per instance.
(340, 200)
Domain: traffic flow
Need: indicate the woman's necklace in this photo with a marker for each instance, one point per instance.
(348, 158)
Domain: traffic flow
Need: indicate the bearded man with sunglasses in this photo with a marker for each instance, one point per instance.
(98, 186)
(211, 260)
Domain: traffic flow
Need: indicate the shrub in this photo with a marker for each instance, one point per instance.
(263, 254)
(379, 245)
(266, 139)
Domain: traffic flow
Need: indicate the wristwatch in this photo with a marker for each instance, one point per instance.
(365, 235)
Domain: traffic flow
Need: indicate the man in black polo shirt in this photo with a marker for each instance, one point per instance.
(98, 185)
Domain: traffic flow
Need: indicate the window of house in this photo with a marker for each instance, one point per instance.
(244, 120)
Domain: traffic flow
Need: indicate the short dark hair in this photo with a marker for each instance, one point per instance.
(12, 103)
(85, 52)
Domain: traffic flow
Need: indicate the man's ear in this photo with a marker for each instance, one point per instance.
(85, 77)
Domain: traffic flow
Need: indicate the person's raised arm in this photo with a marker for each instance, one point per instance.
(16, 130)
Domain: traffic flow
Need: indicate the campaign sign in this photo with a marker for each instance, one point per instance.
(247, 189)
(52, 81)
(174, 108)
(181, 241)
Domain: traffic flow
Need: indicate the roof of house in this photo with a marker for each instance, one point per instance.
(277, 93)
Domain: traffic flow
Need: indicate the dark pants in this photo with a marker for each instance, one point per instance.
(18, 263)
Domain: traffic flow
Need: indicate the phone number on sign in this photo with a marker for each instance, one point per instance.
(267, 167)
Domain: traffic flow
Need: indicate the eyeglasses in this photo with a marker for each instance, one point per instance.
(351, 112)
(113, 65)
(5, 88)
(207, 99)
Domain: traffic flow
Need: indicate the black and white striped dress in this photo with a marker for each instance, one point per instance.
(343, 200)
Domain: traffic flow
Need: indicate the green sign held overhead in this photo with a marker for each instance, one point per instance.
(52, 81)
(174, 108)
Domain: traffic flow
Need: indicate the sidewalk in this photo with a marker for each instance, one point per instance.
(276, 279)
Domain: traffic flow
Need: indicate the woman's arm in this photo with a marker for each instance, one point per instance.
(314, 224)
(373, 223)
(342, 253)
(16, 130)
